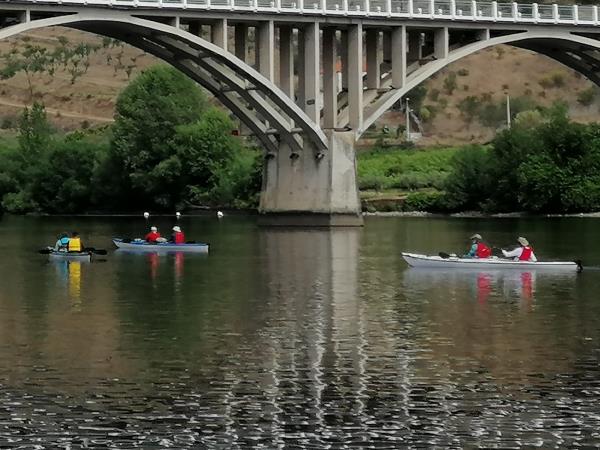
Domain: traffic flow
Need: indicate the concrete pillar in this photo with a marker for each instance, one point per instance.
(441, 43)
(266, 49)
(398, 57)
(241, 41)
(286, 60)
(218, 32)
(309, 191)
(483, 35)
(355, 76)
(387, 47)
(312, 75)
(300, 70)
(414, 46)
(330, 88)
(344, 58)
(373, 59)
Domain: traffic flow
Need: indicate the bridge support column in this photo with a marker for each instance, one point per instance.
(373, 59)
(306, 191)
(415, 51)
(355, 76)
(398, 57)
(241, 41)
(286, 61)
(218, 32)
(330, 81)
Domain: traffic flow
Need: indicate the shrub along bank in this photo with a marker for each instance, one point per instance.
(167, 149)
(544, 164)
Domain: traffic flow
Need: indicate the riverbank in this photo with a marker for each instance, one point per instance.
(475, 215)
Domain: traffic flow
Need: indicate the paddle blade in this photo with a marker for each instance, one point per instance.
(45, 251)
(97, 251)
(444, 255)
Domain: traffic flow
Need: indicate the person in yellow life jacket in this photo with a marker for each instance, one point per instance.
(75, 244)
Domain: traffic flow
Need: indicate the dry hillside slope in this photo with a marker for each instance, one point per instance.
(484, 76)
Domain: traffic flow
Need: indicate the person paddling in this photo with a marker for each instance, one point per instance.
(62, 244)
(522, 253)
(478, 248)
(152, 236)
(178, 237)
(75, 244)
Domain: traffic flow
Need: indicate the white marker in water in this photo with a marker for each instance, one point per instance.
(219, 214)
(146, 215)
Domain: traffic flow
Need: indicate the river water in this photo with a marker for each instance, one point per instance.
(297, 338)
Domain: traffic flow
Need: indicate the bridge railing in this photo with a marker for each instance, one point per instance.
(461, 10)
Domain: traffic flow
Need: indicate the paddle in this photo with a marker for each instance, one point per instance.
(444, 255)
(96, 251)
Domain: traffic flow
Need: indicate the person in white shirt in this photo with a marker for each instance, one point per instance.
(522, 253)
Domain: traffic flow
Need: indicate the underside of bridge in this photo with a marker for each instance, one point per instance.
(306, 89)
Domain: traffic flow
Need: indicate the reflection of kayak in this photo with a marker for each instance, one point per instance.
(453, 262)
(70, 256)
(144, 246)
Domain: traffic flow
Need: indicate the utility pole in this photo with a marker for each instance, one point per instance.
(507, 111)
(407, 120)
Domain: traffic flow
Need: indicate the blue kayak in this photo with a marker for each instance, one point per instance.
(141, 245)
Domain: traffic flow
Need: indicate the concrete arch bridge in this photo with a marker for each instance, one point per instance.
(287, 91)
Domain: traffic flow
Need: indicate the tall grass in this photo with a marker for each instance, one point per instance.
(382, 169)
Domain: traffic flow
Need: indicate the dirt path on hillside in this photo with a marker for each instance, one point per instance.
(62, 112)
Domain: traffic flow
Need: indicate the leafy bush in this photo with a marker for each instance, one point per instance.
(434, 95)
(463, 72)
(587, 96)
(431, 201)
(468, 184)
(552, 80)
(450, 83)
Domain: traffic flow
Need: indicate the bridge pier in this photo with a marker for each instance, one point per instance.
(303, 190)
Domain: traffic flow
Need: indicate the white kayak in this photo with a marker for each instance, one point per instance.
(454, 262)
(143, 246)
(69, 256)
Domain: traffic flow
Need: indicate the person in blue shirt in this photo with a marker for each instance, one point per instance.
(62, 244)
(478, 248)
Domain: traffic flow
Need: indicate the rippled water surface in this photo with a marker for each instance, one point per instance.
(298, 338)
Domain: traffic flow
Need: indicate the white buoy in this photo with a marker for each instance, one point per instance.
(219, 214)
(146, 215)
(178, 214)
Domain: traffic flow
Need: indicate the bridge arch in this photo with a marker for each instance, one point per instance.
(257, 102)
(568, 48)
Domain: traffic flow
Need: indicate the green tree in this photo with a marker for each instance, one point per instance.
(148, 111)
(218, 169)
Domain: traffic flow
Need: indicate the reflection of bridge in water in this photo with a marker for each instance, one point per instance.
(287, 92)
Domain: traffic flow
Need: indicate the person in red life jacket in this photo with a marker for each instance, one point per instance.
(152, 236)
(522, 253)
(478, 248)
(178, 237)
